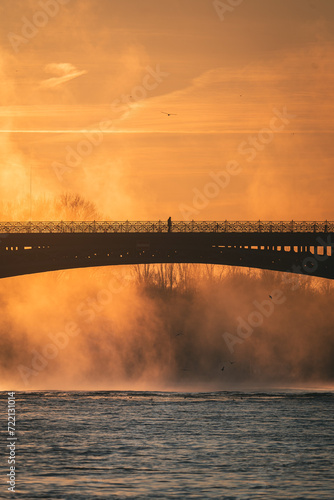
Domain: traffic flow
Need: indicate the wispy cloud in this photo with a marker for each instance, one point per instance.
(64, 73)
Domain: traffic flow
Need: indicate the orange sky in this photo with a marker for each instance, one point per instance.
(66, 68)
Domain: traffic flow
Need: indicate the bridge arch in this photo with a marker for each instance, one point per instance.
(298, 247)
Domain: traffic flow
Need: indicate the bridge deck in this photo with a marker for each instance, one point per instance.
(32, 247)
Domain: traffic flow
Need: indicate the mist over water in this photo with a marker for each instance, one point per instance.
(164, 328)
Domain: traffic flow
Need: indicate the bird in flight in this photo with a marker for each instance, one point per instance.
(232, 362)
(168, 114)
(270, 296)
(178, 334)
(223, 368)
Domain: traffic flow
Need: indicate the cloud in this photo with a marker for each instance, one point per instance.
(64, 73)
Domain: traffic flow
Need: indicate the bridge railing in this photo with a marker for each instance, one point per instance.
(162, 227)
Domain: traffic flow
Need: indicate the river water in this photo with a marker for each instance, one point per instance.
(152, 445)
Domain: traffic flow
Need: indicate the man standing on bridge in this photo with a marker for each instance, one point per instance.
(169, 223)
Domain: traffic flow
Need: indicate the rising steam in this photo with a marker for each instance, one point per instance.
(163, 327)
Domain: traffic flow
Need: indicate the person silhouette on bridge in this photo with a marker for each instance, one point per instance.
(169, 223)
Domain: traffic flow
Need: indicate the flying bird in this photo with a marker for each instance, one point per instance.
(168, 114)
(177, 335)
(232, 362)
(270, 296)
(223, 368)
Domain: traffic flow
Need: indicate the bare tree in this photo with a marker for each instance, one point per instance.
(144, 273)
(72, 206)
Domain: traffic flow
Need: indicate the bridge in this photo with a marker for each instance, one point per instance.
(293, 246)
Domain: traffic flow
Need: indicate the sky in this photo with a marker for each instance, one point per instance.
(86, 87)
